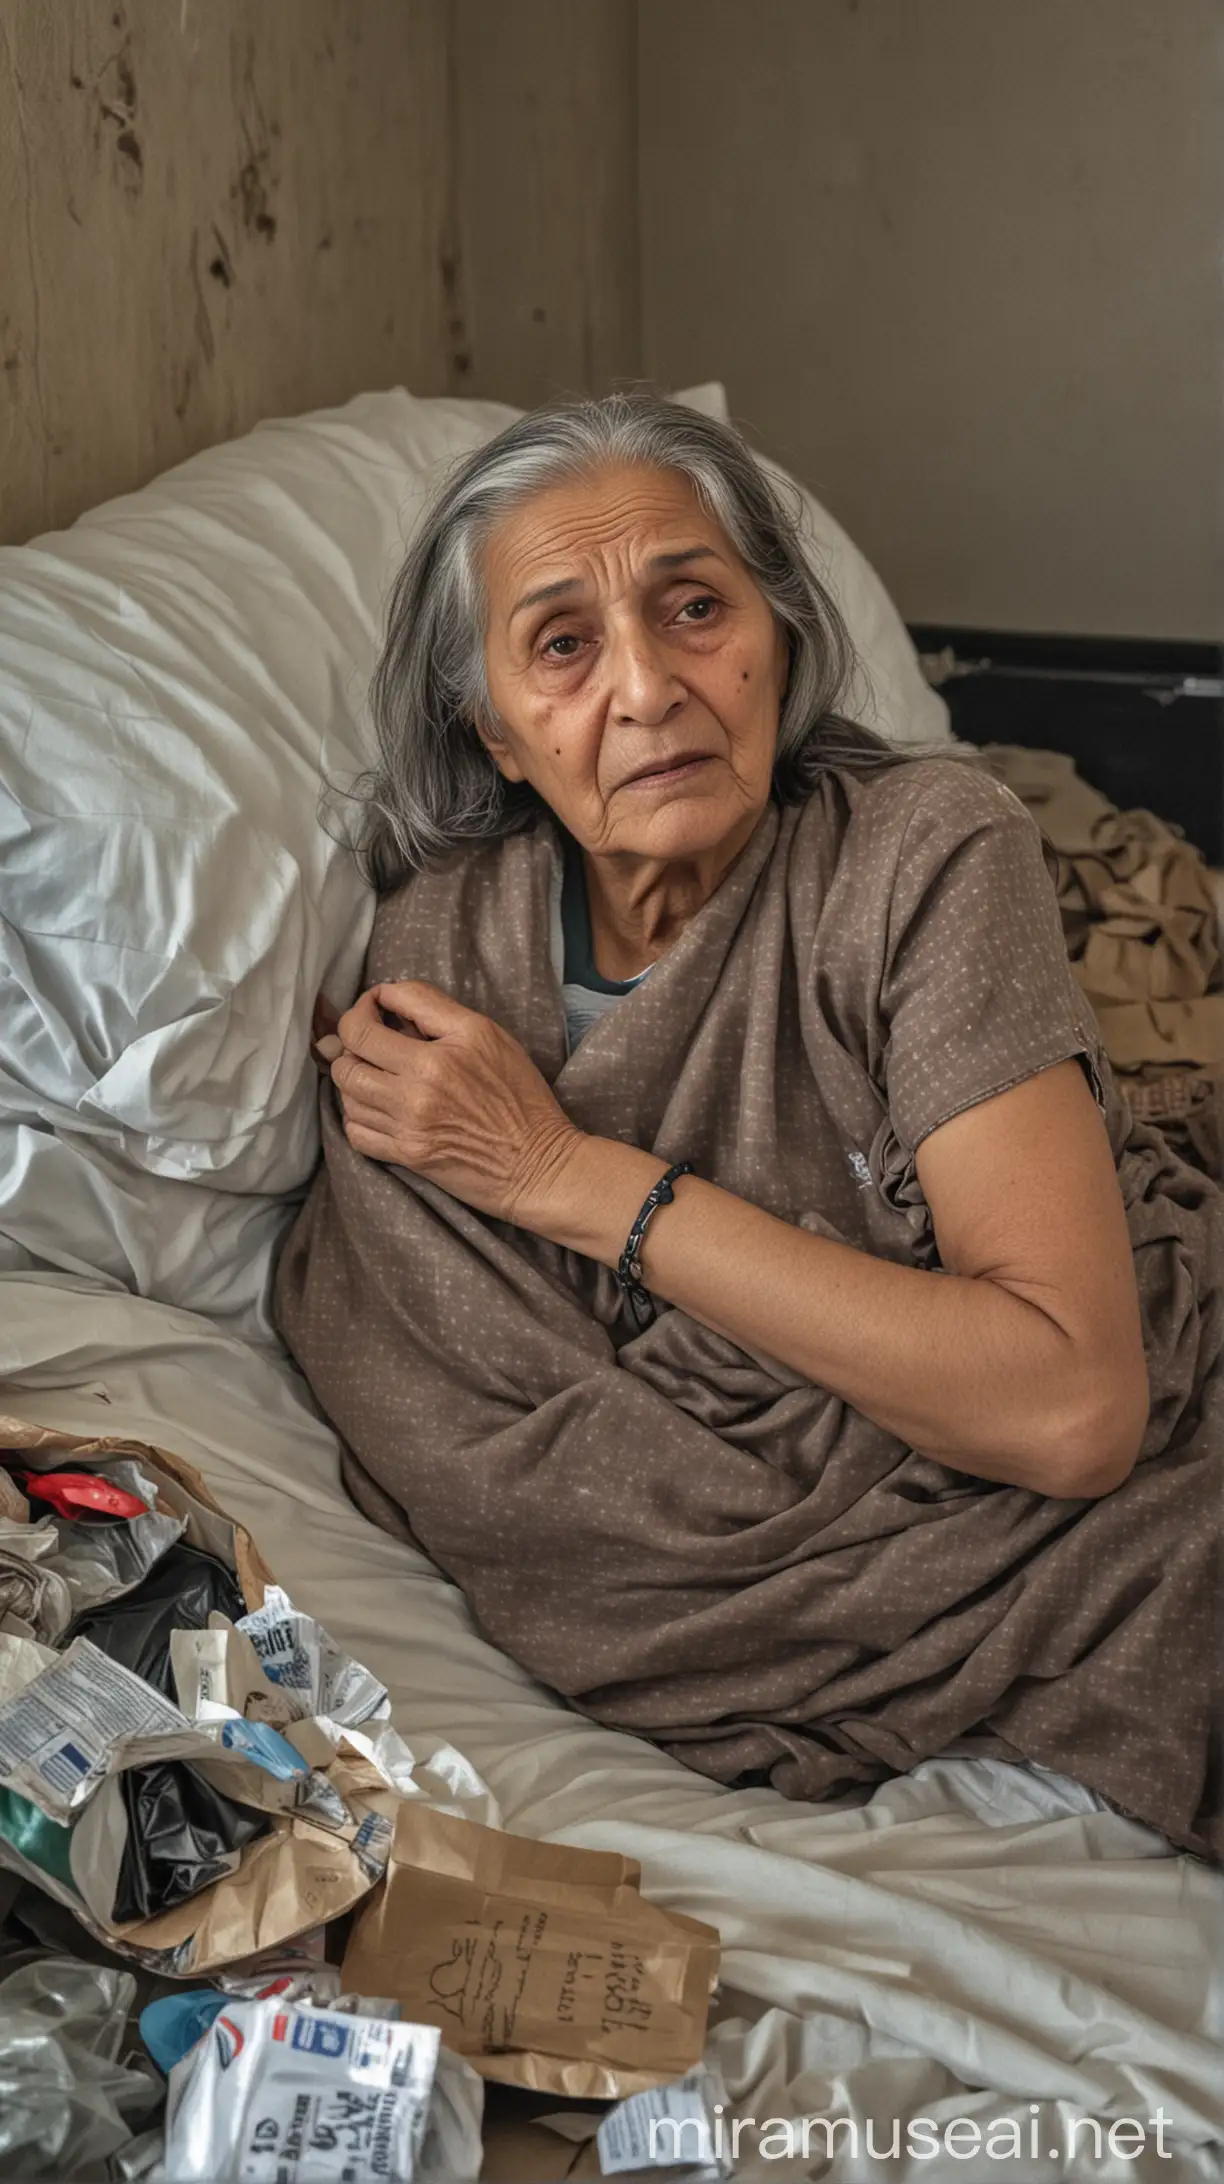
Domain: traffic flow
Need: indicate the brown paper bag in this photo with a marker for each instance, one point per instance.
(543, 1966)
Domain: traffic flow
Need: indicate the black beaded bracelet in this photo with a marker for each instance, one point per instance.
(629, 1265)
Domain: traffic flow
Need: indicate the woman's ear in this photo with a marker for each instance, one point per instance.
(493, 736)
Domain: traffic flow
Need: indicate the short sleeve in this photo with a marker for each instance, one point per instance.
(977, 992)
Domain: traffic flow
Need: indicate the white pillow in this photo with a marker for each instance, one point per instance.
(178, 673)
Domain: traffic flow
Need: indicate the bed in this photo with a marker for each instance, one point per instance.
(179, 675)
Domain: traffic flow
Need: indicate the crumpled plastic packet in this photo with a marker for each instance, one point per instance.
(305, 1662)
(80, 1720)
(179, 1490)
(172, 2024)
(676, 2126)
(67, 2105)
(35, 1601)
(278, 2094)
(101, 1562)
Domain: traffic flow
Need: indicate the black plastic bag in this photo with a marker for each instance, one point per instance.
(180, 1829)
(179, 1593)
(180, 1834)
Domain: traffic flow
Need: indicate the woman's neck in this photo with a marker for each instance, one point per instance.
(640, 906)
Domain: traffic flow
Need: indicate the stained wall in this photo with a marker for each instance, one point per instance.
(213, 211)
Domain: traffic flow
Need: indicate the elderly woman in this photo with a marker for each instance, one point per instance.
(732, 1261)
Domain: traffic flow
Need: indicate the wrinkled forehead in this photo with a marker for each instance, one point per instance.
(630, 524)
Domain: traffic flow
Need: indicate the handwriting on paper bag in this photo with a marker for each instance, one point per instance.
(567, 1999)
(623, 2002)
(481, 1982)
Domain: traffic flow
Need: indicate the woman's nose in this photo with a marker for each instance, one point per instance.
(644, 686)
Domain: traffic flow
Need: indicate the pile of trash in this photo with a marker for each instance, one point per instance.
(243, 1933)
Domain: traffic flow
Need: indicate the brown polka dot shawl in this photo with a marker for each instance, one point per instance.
(693, 1543)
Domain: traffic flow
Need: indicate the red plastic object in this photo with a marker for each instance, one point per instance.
(81, 1494)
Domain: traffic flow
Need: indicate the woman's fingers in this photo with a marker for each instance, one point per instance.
(427, 1007)
(360, 1081)
(451, 1097)
(364, 1034)
(373, 1143)
(359, 1114)
(425, 1012)
(368, 1118)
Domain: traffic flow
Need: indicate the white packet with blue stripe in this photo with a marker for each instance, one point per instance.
(275, 2094)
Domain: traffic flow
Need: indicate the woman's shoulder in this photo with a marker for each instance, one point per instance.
(949, 793)
(883, 847)
(919, 811)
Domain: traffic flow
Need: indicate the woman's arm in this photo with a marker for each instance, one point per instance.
(1023, 1362)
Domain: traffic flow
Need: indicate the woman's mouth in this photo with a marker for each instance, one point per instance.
(668, 771)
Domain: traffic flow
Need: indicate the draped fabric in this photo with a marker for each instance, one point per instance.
(1141, 921)
(689, 1541)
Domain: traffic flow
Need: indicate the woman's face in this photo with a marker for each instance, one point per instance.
(635, 669)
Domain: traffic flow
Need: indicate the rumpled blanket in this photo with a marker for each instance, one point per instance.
(691, 1542)
(1142, 926)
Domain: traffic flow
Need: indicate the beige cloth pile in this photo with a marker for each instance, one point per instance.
(1142, 929)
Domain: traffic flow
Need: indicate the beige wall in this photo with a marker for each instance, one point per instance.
(546, 150)
(957, 260)
(213, 211)
(958, 263)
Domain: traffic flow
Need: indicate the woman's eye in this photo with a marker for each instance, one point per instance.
(701, 609)
(565, 638)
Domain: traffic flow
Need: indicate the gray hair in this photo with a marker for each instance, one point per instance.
(433, 786)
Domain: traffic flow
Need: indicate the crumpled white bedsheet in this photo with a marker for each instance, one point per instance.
(977, 1941)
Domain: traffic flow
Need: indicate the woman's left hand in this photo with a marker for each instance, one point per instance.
(452, 1097)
